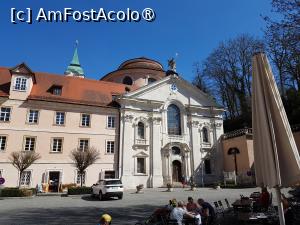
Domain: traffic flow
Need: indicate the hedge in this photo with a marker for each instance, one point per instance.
(79, 190)
(16, 192)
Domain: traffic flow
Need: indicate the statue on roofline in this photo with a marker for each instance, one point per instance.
(172, 64)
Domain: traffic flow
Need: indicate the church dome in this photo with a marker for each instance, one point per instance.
(139, 72)
(141, 63)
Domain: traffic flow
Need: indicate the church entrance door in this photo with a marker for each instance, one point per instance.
(176, 171)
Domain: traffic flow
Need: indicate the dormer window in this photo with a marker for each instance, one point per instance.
(20, 84)
(55, 90)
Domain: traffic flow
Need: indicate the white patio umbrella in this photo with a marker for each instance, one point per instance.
(276, 158)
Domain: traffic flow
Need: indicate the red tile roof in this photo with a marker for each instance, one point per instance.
(74, 89)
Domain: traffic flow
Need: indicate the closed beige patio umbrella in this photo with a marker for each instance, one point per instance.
(276, 158)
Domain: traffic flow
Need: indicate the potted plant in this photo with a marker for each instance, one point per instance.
(193, 186)
(217, 186)
(139, 188)
(170, 187)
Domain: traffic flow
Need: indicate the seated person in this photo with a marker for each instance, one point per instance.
(191, 205)
(105, 220)
(178, 213)
(264, 199)
(207, 211)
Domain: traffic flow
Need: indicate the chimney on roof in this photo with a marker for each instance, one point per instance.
(75, 69)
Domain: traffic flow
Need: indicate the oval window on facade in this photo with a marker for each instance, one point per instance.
(127, 80)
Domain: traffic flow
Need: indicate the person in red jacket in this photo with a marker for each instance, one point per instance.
(264, 199)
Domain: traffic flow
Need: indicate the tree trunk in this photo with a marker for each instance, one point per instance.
(81, 176)
(20, 175)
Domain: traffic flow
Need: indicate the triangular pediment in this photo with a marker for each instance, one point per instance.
(173, 88)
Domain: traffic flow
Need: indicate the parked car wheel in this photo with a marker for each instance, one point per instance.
(120, 196)
(100, 196)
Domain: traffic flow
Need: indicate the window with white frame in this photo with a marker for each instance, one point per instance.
(57, 144)
(29, 144)
(60, 118)
(109, 174)
(110, 147)
(141, 165)
(141, 130)
(20, 84)
(1, 173)
(3, 140)
(26, 178)
(5, 114)
(78, 178)
(33, 116)
(205, 134)
(83, 144)
(85, 120)
(111, 122)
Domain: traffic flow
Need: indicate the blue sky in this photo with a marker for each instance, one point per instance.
(191, 28)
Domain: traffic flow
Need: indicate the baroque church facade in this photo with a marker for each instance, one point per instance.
(150, 126)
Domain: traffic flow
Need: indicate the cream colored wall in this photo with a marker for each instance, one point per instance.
(98, 134)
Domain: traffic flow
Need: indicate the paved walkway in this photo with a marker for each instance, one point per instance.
(86, 210)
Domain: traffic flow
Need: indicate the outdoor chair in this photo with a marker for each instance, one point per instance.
(218, 209)
(229, 207)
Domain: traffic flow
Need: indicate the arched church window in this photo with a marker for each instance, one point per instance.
(127, 80)
(205, 134)
(174, 121)
(151, 80)
(175, 150)
(141, 130)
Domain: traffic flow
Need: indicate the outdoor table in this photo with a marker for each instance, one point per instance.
(242, 204)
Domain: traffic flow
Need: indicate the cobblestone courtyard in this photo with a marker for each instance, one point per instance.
(86, 210)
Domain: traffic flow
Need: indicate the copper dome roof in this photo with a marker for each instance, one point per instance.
(141, 63)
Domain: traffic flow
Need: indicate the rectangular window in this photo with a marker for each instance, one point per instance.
(5, 114)
(1, 173)
(78, 179)
(111, 122)
(29, 144)
(83, 144)
(60, 118)
(109, 174)
(57, 91)
(26, 178)
(85, 120)
(141, 167)
(207, 166)
(20, 84)
(110, 147)
(3, 143)
(33, 116)
(57, 144)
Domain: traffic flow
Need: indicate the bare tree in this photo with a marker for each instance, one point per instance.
(227, 74)
(83, 158)
(22, 160)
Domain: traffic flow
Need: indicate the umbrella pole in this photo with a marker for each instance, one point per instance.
(280, 206)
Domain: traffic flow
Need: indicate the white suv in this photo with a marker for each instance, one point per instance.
(108, 188)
